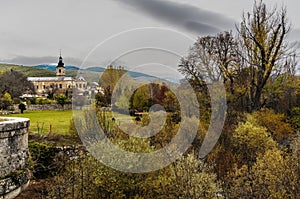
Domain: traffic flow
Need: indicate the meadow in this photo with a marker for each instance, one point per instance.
(40, 121)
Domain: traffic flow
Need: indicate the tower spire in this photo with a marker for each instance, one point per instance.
(60, 68)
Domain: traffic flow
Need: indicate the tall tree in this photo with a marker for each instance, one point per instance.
(15, 83)
(61, 100)
(264, 47)
(245, 63)
(109, 80)
(211, 58)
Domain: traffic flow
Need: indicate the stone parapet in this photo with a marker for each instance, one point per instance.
(14, 156)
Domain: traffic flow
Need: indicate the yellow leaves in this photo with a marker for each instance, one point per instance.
(188, 178)
(274, 123)
(136, 145)
(7, 96)
(269, 172)
(110, 77)
(273, 175)
(5, 100)
(250, 139)
(259, 133)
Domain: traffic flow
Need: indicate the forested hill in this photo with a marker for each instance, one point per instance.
(48, 70)
(32, 71)
(27, 70)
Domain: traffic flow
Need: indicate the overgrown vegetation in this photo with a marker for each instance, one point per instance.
(257, 155)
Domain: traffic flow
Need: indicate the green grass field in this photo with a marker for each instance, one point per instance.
(40, 121)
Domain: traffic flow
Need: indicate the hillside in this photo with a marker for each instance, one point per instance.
(27, 70)
(91, 74)
(52, 67)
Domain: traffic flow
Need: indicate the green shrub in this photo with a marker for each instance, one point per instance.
(43, 157)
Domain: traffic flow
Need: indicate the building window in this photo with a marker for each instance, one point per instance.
(44, 86)
(60, 85)
(37, 87)
(59, 70)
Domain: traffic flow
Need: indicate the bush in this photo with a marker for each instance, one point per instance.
(22, 107)
(294, 118)
(275, 123)
(5, 101)
(43, 101)
(16, 100)
(43, 157)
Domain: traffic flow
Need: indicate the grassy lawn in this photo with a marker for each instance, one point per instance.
(40, 121)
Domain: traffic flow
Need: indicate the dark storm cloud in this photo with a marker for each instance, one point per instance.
(183, 15)
(200, 27)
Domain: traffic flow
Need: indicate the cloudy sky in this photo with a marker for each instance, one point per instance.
(101, 31)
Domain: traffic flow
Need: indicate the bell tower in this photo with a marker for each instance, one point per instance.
(60, 68)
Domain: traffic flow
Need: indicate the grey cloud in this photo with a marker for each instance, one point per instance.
(31, 61)
(186, 16)
(294, 35)
(200, 27)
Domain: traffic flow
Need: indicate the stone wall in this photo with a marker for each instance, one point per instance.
(33, 107)
(13, 156)
(37, 107)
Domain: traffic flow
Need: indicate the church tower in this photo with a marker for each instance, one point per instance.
(60, 68)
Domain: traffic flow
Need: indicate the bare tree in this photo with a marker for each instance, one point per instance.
(212, 58)
(245, 63)
(264, 47)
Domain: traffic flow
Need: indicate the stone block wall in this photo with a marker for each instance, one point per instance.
(34, 107)
(37, 107)
(13, 156)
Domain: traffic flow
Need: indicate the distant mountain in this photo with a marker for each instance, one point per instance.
(96, 69)
(91, 73)
(52, 67)
(134, 75)
(173, 80)
(72, 71)
(139, 75)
